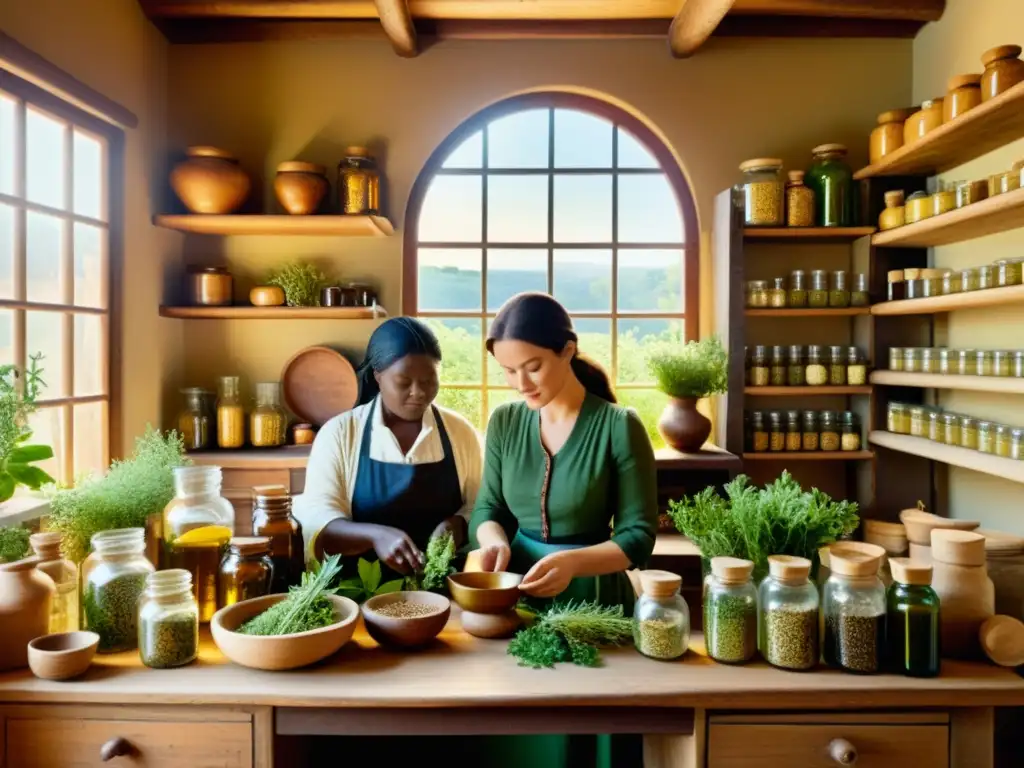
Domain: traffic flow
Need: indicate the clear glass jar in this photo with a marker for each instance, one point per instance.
(1017, 443)
(197, 524)
(1008, 272)
(968, 433)
(268, 424)
(1002, 441)
(809, 438)
(113, 578)
(912, 620)
(757, 294)
(856, 368)
(897, 419)
(797, 289)
(64, 608)
(947, 364)
(230, 413)
(952, 282)
(816, 374)
(758, 432)
(194, 420)
(853, 607)
(829, 439)
(778, 295)
(168, 620)
(839, 293)
(661, 620)
(967, 362)
(793, 431)
(799, 201)
(912, 359)
(818, 296)
(837, 366)
(763, 192)
(730, 611)
(1017, 364)
(788, 619)
(795, 373)
(895, 358)
(936, 427)
(986, 277)
(919, 420)
(849, 439)
(777, 370)
(986, 437)
(358, 183)
(929, 360)
(951, 429)
(984, 363)
(831, 179)
(859, 296)
(760, 374)
(776, 433)
(970, 280)
(272, 517)
(245, 571)
(1001, 362)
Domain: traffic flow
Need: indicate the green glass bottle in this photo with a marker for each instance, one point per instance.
(912, 620)
(832, 181)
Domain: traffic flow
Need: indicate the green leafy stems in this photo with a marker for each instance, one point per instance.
(307, 606)
(437, 566)
(569, 632)
(300, 282)
(14, 544)
(17, 402)
(367, 583)
(699, 369)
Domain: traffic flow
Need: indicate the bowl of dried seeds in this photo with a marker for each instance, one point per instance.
(406, 619)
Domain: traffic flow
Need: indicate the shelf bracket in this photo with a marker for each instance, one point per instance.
(397, 22)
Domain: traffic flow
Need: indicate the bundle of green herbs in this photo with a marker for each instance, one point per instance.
(301, 284)
(125, 497)
(17, 403)
(699, 369)
(367, 584)
(306, 607)
(752, 523)
(437, 566)
(14, 544)
(570, 632)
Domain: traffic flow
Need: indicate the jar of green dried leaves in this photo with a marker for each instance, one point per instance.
(788, 626)
(730, 611)
(113, 578)
(168, 620)
(661, 619)
(853, 607)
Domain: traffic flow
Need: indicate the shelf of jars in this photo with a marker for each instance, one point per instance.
(784, 456)
(274, 313)
(270, 224)
(1005, 385)
(797, 312)
(807, 234)
(954, 456)
(1000, 213)
(806, 391)
(989, 297)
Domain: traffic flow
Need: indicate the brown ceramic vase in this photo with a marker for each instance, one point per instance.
(210, 181)
(682, 426)
(300, 187)
(26, 596)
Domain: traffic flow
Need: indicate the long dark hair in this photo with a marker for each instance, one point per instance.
(394, 339)
(538, 319)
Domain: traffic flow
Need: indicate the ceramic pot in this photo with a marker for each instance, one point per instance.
(682, 426)
(210, 181)
(26, 597)
(887, 136)
(300, 187)
(926, 119)
(1003, 70)
(893, 215)
(962, 94)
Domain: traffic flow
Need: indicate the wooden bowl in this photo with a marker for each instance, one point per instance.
(62, 656)
(483, 592)
(406, 632)
(281, 651)
(919, 525)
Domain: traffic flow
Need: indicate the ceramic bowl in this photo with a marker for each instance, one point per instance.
(62, 656)
(919, 525)
(281, 651)
(482, 592)
(406, 632)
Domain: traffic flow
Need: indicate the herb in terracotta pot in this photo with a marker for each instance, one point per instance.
(700, 369)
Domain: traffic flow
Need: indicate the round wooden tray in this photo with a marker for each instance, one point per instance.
(319, 383)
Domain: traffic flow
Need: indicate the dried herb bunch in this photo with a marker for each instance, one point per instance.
(301, 284)
(572, 631)
(699, 369)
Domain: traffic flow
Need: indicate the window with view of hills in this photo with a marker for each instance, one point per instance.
(562, 194)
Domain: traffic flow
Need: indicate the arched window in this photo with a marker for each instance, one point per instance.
(560, 193)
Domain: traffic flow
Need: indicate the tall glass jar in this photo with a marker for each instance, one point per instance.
(793, 431)
(853, 606)
(816, 374)
(839, 291)
(797, 289)
(267, 422)
(936, 427)
(759, 439)
(912, 619)
(788, 626)
(967, 362)
(850, 438)
(168, 620)
(799, 201)
(198, 522)
(272, 517)
(952, 432)
(795, 372)
(194, 420)
(776, 433)
(969, 433)
(757, 294)
(64, 609)
(661, 619)
(809, 435)
(358, 183)
(818, 297)
(897, 419)
(859, 296)
(777, 370)
(230, 413)
(730, 611)
(763, 192)
(831, 180)
(837, 358)
(856, 368)
(778, 296)
(246, 571)
(760, 374)
(896, 358)
(986, 437)
(113, 578)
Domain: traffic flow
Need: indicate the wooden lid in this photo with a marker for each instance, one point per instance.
(223, 154)
(855, 558)
(789, 568)
(1002, 638)
(893, 199)
(761, 162)
(269, 490)
(251, 545)
(929, 274)
(731, 570)
(958, 547)
(883, 528)
(907, 571)
(298, 166)
(357, 152)
(896, 115)
(959, 81)
(660, 583)
(796, 176)
(1000, 52)
(935, 103)
(912, 273)
(895, 275)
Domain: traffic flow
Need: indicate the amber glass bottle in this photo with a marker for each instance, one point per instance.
(272, 517)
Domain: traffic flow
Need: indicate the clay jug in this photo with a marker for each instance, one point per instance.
(300, 187)
(682, 426)
(1003, 70)
(210, 181)
(26, 597)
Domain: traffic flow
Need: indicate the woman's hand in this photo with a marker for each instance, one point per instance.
(550, 575)
(456, 526)
(396, 550)
(494, 557)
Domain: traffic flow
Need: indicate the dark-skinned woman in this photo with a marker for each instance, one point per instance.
(396, 470)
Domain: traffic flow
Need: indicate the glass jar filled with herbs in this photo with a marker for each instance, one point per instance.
(897, 418)
(986, 277)
(818, 296)
(929, 360)
(113, 578)
(799, 201)
(246, 571)
(1001, 360)
(797, 289)
(661, 619)
(952, 282)
(776, 434)
(757, 294)
(168, 620)
(230, 413)
(763, 192)
(967, 362)
(758, 441)
(760, 374)
(788, 627)
(829, 431)
(912, 360)
(969, 279)
(856, 368)
(849, 439)
(1002, 440)
(987, 437)
(831, 179)
(984, 363)
(969, 433)
(1017, 444)
(809, 434)
(947, 361)
(936, 427)
(1017, 362)
(853, 607)
(194, 420)
(919, 420)
(730, 611)
(859, 296)
(816, 374)
(912, 619)
(838, 292)
(778, 296)
(268, 424)
(796, 369)
(793, 431)
(895, 358)
(1008, 272)
(952, 434)
(837, 366)
(778, 373)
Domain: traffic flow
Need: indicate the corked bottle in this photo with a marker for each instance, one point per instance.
(853, 608)
(272, 517)
(730, 611)
(661, 618)
(967, 594)
(789, 614)
(912, 620)
(246, 571)
(64, 613)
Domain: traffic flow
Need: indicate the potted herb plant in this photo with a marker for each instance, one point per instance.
(300, 282)
(700, 369)
(17, 402)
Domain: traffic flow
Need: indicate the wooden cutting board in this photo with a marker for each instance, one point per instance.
(318, 384)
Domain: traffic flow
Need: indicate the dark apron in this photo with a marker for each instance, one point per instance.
(414, 498)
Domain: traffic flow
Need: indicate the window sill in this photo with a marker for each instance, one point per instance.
(23, 509)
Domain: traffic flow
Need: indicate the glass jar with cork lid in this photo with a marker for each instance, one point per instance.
(763, 192)
(799, 201)
(788, 604)
(661, 618)
(912, 619)
(730, 611)
(853, 608)
(246, 571)
(797, 298)
(230, 413)
(272, 517)
(268, 426)
(358, 183)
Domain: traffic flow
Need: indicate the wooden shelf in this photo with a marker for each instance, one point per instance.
(674, 545)
(990, 297)
(709, 457)
(1007, 385)
(811, 456)
(274, 313)
(988, 217)
(806, 391)
(986, 463)
(285, 457)
(807, 234)
(988, 126)
(846, 312)
(342, 226)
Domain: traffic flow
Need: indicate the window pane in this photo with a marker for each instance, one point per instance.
(465, 401)
(583, 209)
(6, 337)
(44, 332)
(648, 403)
(44, 240)
(583, 279)
(8, 152)
(449, 279)
(511, 271)
(90, 428)
(461, 348)
(46, 430)
(519, 140)
(495, 373)
(650, 281)
(452, 210)
(648, 211)
(90, 271)
(469, 154)
(6, 251)
(496, 397)
(582, 140)
(90, 355)
(88, 175)
(44, 150)
(633, 154)
(595, 340)
(517, 209)
(638, 340)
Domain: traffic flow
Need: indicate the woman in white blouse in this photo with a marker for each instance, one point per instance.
(396, 470)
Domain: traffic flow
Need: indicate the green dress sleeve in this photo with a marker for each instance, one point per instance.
(490, 501)
(635, 523)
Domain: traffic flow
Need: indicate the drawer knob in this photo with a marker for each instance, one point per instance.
(116, 747)
(842, 752)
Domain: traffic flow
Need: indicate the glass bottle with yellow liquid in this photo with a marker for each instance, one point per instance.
(64, 611)
(230, 413)
(198, 522)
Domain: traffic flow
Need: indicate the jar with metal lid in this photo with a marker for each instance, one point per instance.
(818, 296)
(757, 294)
(986, 277)
(1017, 443)
(272, 517)
(951, 283)
(897, 419)
(1008, 272)
(912, 619)
(859, 296)
(797, 289)
(1001, 362)
(168, 620)
(113, 578)
(929, 360)
(1017, 364)
(793, 432)
(856, 368)
(895, 358)
(194, 420)
(829, 434)
(759, 371)
(777, 374)
(797, 368)
(788, 605)
(809, 439)
(661, 619)
(837, 366)
(838, 294)
(816, 374)
(831, 179)
(777, 294)
(913, 286)
(230, 413)
(951, 431)
(246, 571)
(210, 286)
(359, 295)
(967, 362)
(936, 427)
(268, 424)
(758, 440)
(947, 364)
(896, 289)
(912, 359)
(763, 192)
(850, 436)
(919, 420)
(986, 437)
(931, 282)
(1002, 440)
(971, 192)
(918, 207)
(853, 608)
(776, 433)
(799, 201)
(358, 183)
(984, 363)
(730, 611)
(970, 280)
(968, 433)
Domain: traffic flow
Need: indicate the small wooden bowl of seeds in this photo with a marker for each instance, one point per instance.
(406, 619)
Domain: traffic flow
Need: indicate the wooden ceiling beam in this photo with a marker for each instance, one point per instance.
(397, 23)
(694, 24)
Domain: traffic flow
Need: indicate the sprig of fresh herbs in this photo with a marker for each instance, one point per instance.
(17, 403)
(569, 632)
(367, 583)
(301, 284)
(306, 607)
(14, 544)
(437, 566)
